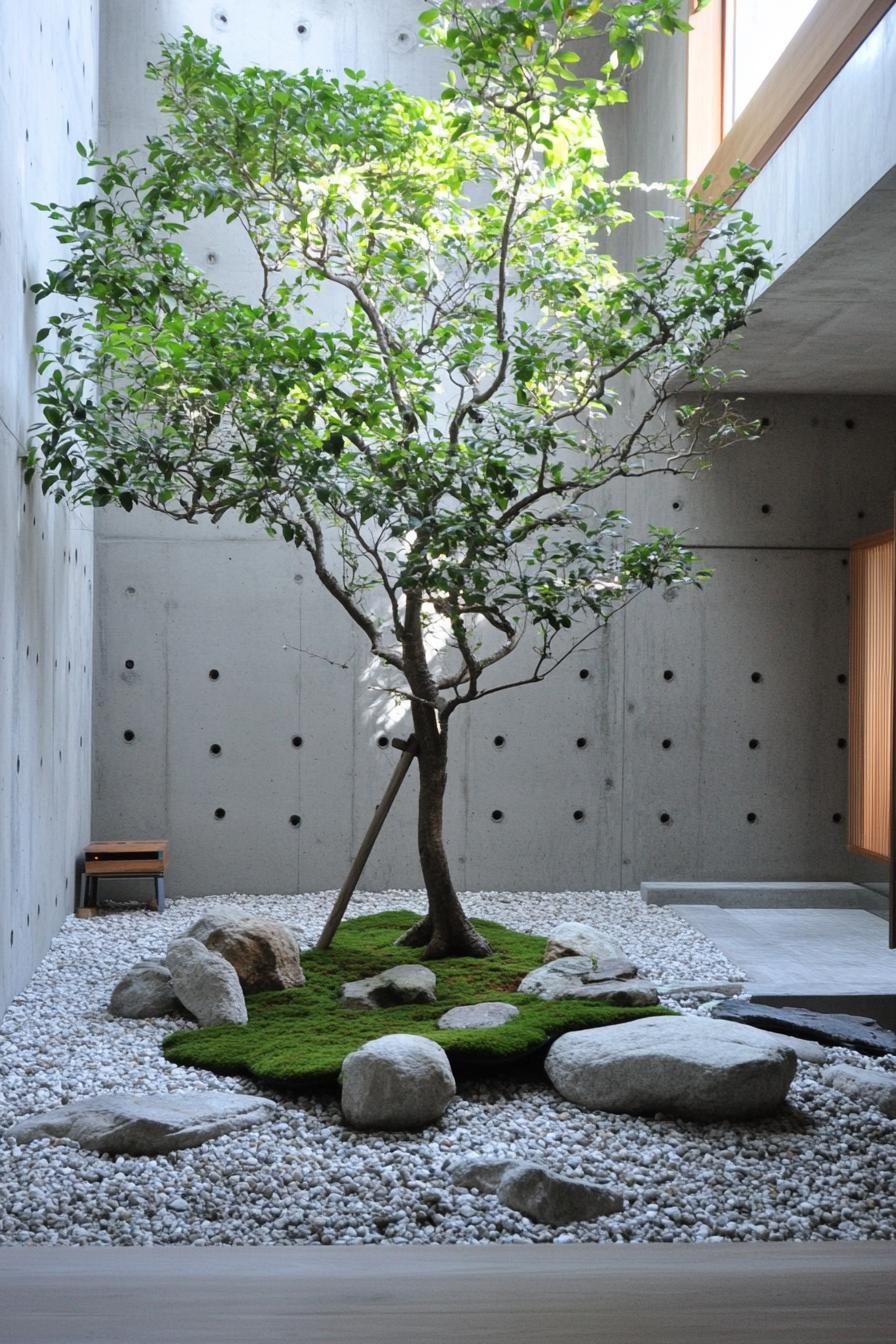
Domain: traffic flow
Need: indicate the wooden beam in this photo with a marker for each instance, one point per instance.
(872, 573)
(704, 117)
(408, 752)
(830, 36)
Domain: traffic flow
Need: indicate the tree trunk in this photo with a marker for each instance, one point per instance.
(445, 930)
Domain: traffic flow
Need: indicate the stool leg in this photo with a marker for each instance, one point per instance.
(83, 897)
(160, 894)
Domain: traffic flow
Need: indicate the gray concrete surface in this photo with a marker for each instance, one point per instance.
(48, 101)
(826, 200)
(808, 952)
(782, 1294)
(760, 895)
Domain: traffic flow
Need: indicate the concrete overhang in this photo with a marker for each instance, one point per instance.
(827, 201)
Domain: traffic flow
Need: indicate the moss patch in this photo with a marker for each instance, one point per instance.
(298, 1038)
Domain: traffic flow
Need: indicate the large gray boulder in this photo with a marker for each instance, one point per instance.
(810, 1052)
(398, 1081)
(206, 984)
(263, 952)
(872, 1086)
(145, 1125)
(217, 918)
(693, 1067)
(546, 1197)
(572, 939)
(471, 1015)
(145, 991)
(407, 983)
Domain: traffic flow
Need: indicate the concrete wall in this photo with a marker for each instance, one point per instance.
(529, 806)
(48, 100)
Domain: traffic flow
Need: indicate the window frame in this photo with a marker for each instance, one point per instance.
(829, 37)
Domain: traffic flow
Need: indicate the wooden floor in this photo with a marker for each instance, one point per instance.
(719, 1294)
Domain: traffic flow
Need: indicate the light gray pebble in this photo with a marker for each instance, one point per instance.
(818, 1172)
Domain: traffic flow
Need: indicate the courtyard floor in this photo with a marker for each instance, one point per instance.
(821, 1170)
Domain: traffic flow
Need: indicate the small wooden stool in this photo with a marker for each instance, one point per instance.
(123, 858)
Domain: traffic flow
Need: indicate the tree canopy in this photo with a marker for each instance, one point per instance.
(425, 388)
(455, 420)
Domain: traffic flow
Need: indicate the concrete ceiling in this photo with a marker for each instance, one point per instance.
(828, 322)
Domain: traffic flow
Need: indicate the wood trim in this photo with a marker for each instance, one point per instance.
(122, 867)
(892, 892)
(127, 846)
(876, 539)
(830, 36)
(705, 84)
(872, 631)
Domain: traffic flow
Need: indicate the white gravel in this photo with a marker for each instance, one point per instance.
(822, 1170)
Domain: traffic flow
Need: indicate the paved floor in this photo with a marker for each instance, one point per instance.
(819, 1293)
(801, 951)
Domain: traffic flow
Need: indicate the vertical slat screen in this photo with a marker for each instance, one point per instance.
(872, 584)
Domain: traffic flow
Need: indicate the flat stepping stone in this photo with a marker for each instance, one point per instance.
(694, 1067)
(873, 1086)
(471, 1015)
(619, 993)
(708, 988)
(143, 1126)
(562, 979)
(407, 983)
(855, 1033)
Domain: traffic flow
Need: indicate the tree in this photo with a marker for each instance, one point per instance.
(439, 449)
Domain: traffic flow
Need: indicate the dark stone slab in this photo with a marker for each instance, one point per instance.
(856, 1033)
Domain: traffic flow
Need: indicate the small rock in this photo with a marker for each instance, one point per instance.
(853, 1032)
(685, 988)
(545, 1197)
(572, 939)
(870, 1085)
(621, 993)
(694, 1067)
(163, 1122)
(406, 983)
(263, 952)
(481, 1173)
(206, 984)
(567, 977)
(478, 1015)
(145, 991)
(397, 1081)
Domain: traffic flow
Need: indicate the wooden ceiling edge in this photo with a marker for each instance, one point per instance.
(748, 140)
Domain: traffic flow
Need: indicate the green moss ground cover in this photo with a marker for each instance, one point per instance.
(298, 1038)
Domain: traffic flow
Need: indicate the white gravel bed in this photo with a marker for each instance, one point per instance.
(822, 1170)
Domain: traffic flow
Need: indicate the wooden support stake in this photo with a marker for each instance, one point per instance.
(408, 752)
